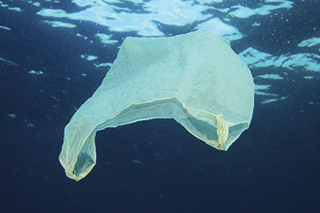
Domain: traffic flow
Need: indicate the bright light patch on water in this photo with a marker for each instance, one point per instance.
(156, 18)
(60, 24)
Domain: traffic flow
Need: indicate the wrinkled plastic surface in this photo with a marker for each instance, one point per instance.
(194, 78)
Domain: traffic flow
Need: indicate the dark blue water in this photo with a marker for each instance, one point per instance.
(153, 166)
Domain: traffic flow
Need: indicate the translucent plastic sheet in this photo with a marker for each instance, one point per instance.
(194, 78)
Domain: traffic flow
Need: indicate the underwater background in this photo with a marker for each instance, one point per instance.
(54, 55)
